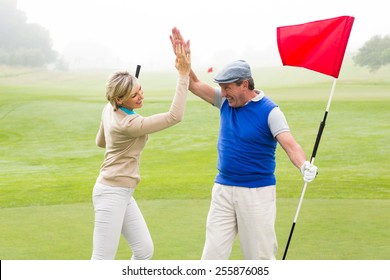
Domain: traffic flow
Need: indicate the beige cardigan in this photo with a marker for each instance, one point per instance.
(124, 137)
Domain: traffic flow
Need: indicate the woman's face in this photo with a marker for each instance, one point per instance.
(134, 101)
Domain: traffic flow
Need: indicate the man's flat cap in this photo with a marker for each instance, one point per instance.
(233, 72)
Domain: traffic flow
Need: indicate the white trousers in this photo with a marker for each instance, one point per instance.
(248, 212)
(116, 212)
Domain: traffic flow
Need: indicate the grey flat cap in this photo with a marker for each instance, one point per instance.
(234, 71)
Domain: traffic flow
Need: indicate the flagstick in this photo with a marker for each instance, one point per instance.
(319, 134)
(137, 71)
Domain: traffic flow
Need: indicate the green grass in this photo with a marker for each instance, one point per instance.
(350, 229)
(49, 162)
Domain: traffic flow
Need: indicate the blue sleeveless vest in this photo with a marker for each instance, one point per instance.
(246, 147)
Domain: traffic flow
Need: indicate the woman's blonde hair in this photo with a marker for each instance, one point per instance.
(119, 86)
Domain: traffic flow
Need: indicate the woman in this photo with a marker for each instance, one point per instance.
(123, 133)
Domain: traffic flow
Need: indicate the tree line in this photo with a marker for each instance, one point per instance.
(22, 43)
(374, 54)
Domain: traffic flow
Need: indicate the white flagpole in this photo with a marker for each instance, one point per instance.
(319, 134)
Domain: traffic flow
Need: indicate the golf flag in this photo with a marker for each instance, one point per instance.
(318, 45)
(210, 70)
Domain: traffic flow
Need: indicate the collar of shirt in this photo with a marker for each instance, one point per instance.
(259, 96)
(127, 111)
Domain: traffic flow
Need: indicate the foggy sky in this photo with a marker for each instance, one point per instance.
(123, 33)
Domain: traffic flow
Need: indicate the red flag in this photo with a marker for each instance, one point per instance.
(318, 45)
(210, 70)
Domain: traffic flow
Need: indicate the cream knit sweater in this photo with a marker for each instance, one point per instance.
(124, 137)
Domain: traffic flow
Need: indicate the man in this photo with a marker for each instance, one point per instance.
(244, 196)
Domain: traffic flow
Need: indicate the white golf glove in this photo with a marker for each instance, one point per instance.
(309, 171)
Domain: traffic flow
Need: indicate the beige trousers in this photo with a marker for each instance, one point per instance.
(248, 212)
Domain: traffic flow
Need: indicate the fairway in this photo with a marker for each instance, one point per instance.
(177, 227)
(49, 163)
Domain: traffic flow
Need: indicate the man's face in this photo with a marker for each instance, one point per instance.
(235, 95)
